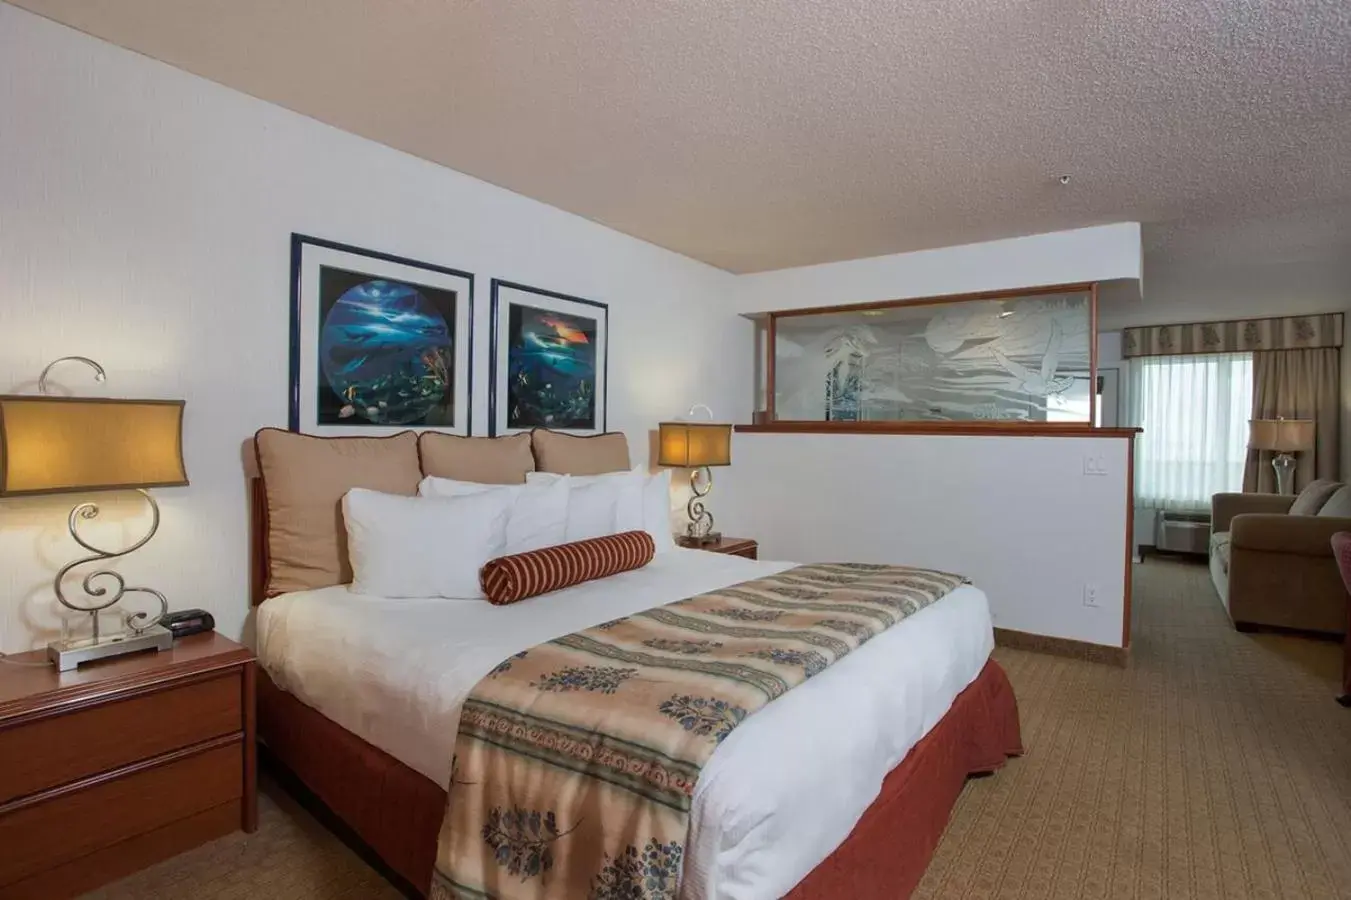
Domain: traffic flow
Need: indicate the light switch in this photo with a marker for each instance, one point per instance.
(1095, 465)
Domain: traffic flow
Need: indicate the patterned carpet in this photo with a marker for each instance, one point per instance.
(1216, 766)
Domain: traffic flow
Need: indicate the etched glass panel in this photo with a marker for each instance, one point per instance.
(1018, 359)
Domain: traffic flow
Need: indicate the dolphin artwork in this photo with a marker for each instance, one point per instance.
(382, 349)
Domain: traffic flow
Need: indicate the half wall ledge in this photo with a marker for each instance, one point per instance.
(965, 429)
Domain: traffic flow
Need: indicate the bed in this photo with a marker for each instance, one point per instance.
(359, 699)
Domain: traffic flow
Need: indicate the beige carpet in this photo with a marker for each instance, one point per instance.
(1216, 766)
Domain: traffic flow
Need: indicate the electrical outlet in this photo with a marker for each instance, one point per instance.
(1095, 465)
(1091, 595)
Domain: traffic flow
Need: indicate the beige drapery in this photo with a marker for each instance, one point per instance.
(1238, 336)
(1297, 384)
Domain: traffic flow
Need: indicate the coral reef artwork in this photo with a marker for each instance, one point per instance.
(386, 352)
(551, 369)
(1023, 359)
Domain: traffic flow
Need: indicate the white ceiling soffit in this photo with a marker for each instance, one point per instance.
(762, 134)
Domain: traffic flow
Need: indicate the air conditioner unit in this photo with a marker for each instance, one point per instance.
(1182, 532)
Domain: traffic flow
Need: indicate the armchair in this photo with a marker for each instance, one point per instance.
(1271, 557)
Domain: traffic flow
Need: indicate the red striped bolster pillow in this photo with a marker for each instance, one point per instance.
(511, 578)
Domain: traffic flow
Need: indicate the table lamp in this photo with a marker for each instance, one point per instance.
(62, 445)
(697, 446)
(1284, 437)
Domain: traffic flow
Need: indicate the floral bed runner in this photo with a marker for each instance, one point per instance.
(576, 760)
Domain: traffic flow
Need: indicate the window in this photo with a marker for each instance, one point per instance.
(1011, 356)
(1194, 411)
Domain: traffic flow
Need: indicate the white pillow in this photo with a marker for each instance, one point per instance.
(592, 510)
(657, 510)
(422, 546)
(538, 516)
(644, 501)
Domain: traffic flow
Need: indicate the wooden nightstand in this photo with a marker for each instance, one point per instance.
(117, 765)
(732, 546)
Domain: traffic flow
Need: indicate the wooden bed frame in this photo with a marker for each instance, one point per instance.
(397, 812)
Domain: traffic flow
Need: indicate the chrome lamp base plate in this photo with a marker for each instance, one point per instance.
(686, 540)
(69, 654)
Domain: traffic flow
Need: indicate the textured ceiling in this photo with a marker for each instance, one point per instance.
(760, 134)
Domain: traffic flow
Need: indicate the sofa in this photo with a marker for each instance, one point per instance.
(1271, 557)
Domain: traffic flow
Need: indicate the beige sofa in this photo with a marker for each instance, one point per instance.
(1271, 557)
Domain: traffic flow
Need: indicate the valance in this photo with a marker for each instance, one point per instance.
(1244, 335)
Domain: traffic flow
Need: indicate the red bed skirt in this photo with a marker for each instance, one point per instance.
(397, 812)
(976, 736)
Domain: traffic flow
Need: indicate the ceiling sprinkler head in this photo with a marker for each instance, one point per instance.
(1063, 179)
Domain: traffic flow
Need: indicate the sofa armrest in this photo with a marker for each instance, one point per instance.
(1223, 507)
(1300, 535)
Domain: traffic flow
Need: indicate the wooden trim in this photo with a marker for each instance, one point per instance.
(1093, 355)
(60, 701)
(144, 765)
(1130, 545)
(258, 526)
(771, 339)
(249, 801)
(967, 429)
(1055, 646)
(1078, 287)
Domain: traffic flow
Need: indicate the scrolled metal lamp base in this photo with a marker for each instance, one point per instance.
(699, 532)
(142, 630)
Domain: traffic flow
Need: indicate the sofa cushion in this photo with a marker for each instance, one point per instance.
(1314, 495)
(1219, 548)
(1339, 504)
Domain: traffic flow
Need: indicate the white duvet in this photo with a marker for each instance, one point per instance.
(776, 797)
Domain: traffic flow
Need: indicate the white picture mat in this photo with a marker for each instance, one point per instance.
(507, 295)
(312, 259)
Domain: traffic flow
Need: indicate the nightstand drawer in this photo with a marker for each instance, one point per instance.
(69, 825)
(43, 753)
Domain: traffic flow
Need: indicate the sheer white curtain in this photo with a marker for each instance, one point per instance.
(1194, 411)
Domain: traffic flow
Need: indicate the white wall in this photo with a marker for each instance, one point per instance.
(1178, 291)
(1017, 515)
(1064, 257)
(145, 220)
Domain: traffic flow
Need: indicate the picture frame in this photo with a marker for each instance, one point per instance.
(549, 361)
(379, 343)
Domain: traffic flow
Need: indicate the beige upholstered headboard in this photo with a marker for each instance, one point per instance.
(491, 460)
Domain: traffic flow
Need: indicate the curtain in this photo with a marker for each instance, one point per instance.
(1297, 384)
(1194, 411)
(1240, 336)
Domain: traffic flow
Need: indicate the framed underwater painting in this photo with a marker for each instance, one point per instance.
(548, 361)
(379, 343)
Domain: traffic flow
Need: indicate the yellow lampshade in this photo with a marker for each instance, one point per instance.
(51, 445)
(689, 445)
(1280, 435)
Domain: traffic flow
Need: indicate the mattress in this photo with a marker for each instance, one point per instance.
(776, 797)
